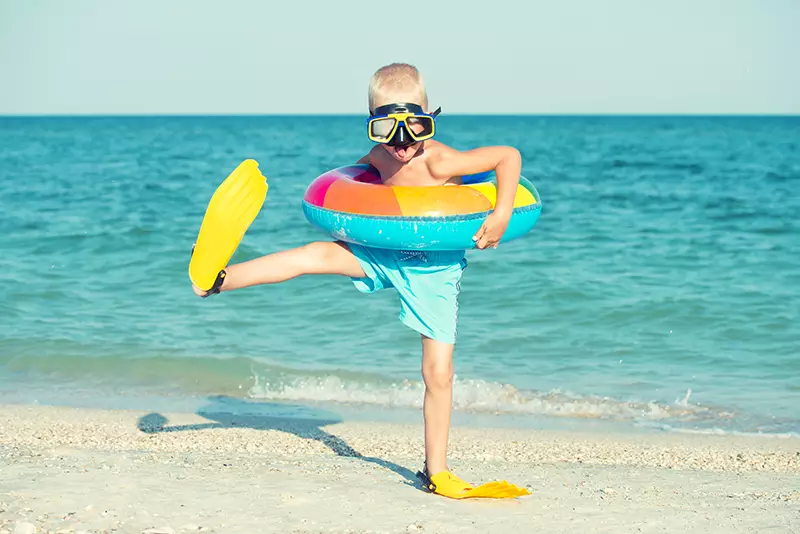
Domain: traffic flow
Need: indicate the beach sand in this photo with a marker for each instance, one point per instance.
(72, 470)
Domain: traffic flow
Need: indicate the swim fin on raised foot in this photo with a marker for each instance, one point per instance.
(232, 209)
(449, 485)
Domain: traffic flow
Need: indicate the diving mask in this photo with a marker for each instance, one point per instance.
(401, 124)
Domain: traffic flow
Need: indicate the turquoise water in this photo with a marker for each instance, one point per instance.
(659, 289)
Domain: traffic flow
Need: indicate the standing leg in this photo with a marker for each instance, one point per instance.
(437, 372)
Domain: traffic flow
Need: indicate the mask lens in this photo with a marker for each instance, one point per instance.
(420, 127)
(380, 129)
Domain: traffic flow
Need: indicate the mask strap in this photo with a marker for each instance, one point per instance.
(435, 113)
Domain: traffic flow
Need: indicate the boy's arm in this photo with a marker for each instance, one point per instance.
(506, 162)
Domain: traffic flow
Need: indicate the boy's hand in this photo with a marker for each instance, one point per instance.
(492, 230)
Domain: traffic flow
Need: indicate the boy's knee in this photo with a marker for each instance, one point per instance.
(438, 375)
(317, 253)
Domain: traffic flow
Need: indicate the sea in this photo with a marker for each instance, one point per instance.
(658, 292)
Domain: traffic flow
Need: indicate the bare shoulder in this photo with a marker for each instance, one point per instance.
(370, 156)
(436, 156)
(436, 150)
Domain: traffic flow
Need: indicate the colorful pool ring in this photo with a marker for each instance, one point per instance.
(352, 205)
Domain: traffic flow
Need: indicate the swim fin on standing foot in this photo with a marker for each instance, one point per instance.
(232, 209)
(449, 485)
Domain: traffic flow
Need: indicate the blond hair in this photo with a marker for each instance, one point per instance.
(397, 82)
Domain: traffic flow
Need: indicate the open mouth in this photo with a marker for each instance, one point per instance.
(402, 151)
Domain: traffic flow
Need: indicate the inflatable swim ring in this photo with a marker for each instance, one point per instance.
(352, 205)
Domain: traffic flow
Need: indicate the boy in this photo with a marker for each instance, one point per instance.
(427, 282)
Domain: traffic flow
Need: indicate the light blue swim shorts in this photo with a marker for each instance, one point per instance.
(428, 284)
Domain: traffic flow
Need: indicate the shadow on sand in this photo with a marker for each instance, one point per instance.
(302, 421)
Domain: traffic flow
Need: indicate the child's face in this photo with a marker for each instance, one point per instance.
(403, 154)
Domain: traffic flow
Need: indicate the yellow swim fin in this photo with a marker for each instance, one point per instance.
(231, 211)
(449, 485)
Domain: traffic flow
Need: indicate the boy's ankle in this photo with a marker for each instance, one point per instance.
(437, 468)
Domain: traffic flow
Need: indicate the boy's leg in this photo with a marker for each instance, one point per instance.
(322, 257)
(429, 287)
(437, 372)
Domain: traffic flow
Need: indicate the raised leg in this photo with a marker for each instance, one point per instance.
(322, 257)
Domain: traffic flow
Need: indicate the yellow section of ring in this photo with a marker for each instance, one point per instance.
(489, 190)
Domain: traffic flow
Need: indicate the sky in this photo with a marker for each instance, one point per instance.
(498, 56)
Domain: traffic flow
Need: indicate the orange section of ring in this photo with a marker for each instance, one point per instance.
(365, 199)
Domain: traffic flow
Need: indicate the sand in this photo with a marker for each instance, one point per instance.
(73, 470)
